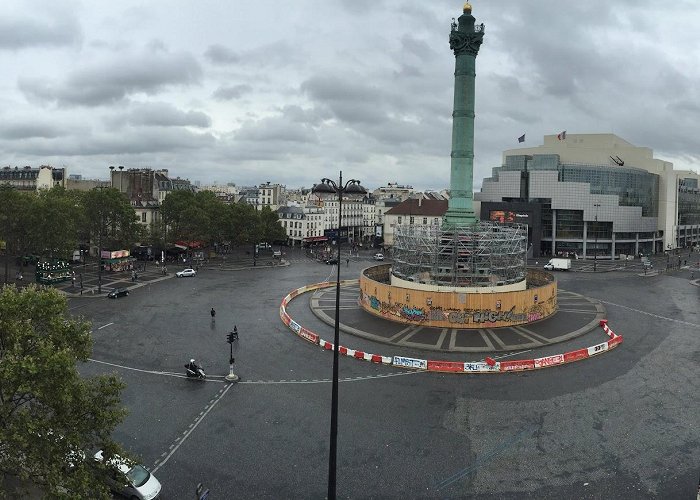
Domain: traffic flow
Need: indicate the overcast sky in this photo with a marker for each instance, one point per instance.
(289, 92)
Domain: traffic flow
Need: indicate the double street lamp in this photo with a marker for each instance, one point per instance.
(328, 187)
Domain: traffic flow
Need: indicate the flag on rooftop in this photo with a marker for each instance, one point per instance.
(521, 138)
(562, 136)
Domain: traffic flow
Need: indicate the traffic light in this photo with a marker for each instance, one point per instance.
(235, 332)
(229, 338)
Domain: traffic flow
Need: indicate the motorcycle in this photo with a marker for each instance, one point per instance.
(197, 372)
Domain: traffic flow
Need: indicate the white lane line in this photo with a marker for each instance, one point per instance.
(105, 326)
(650, 314)
(153, 372)
(511, 354)
(283, 381)
(187, 433)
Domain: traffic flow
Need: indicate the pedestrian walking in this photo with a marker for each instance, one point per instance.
(213, 313)
(347, 262)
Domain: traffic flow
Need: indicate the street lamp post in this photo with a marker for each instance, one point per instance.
(595, 254)
(328, 186)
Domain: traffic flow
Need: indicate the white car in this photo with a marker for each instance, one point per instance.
(378, 256)
(132, 480)
(185, 273)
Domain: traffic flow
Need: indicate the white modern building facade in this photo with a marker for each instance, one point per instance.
(594, 195)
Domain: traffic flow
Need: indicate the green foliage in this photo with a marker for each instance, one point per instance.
(172, 211)
(52, 223)
(15, 223)
(51, 417)
(110, 219)
(270, 226)
(55, 217)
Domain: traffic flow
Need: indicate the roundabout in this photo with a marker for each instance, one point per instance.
(581, 316)
(407, 433)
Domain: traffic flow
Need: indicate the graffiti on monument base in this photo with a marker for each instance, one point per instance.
(489, 316)
(482, 317)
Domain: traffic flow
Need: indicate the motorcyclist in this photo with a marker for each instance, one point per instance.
(193, 367)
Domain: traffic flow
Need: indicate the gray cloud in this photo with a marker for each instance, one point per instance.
(21, 33)
(365, 86)
(231, 92)
(218, 54)
(347, 99)
(29, 129)
(111, 81)
(277, 129)
(134, 141)
(166, 115)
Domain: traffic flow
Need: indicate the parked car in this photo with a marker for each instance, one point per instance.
(378, 256)
(332, 260)
(186, 273)
(277, 254)
(132, 480)
(118, 292)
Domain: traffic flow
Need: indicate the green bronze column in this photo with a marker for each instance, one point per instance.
(465, 40)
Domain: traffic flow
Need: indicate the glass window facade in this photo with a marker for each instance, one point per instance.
(569, 224)
(633, 187)
(688, 206)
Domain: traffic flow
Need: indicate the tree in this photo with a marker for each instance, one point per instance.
(51, 417)
(14, 222)
(172, 211)
(56, 218)
(270, 226)
(110, 218)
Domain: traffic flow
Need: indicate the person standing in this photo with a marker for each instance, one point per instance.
(213, 313)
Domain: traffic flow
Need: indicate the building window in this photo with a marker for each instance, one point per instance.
(399, 221)
(425, 221)
(143, 217)
(411, 220)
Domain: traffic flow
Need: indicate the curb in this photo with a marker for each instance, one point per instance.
(487, 366)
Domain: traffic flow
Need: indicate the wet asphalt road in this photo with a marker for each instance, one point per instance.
(620, 425)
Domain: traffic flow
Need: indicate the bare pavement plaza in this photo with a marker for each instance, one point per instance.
(619, 425)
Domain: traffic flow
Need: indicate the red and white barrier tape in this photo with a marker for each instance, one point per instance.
(487, 366)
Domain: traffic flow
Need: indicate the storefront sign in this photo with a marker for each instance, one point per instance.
(116, 254)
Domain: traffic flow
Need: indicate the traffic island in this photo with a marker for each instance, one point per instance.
(488, 365)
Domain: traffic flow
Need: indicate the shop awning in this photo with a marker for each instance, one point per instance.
(311, 239)
(115, 261)
(189, 244)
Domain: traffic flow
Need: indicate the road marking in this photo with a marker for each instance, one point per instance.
(511, 354)
(485, 458)
(105, 326)
(651, 314)
(187, 433)
(282, 381)
(152, 372)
